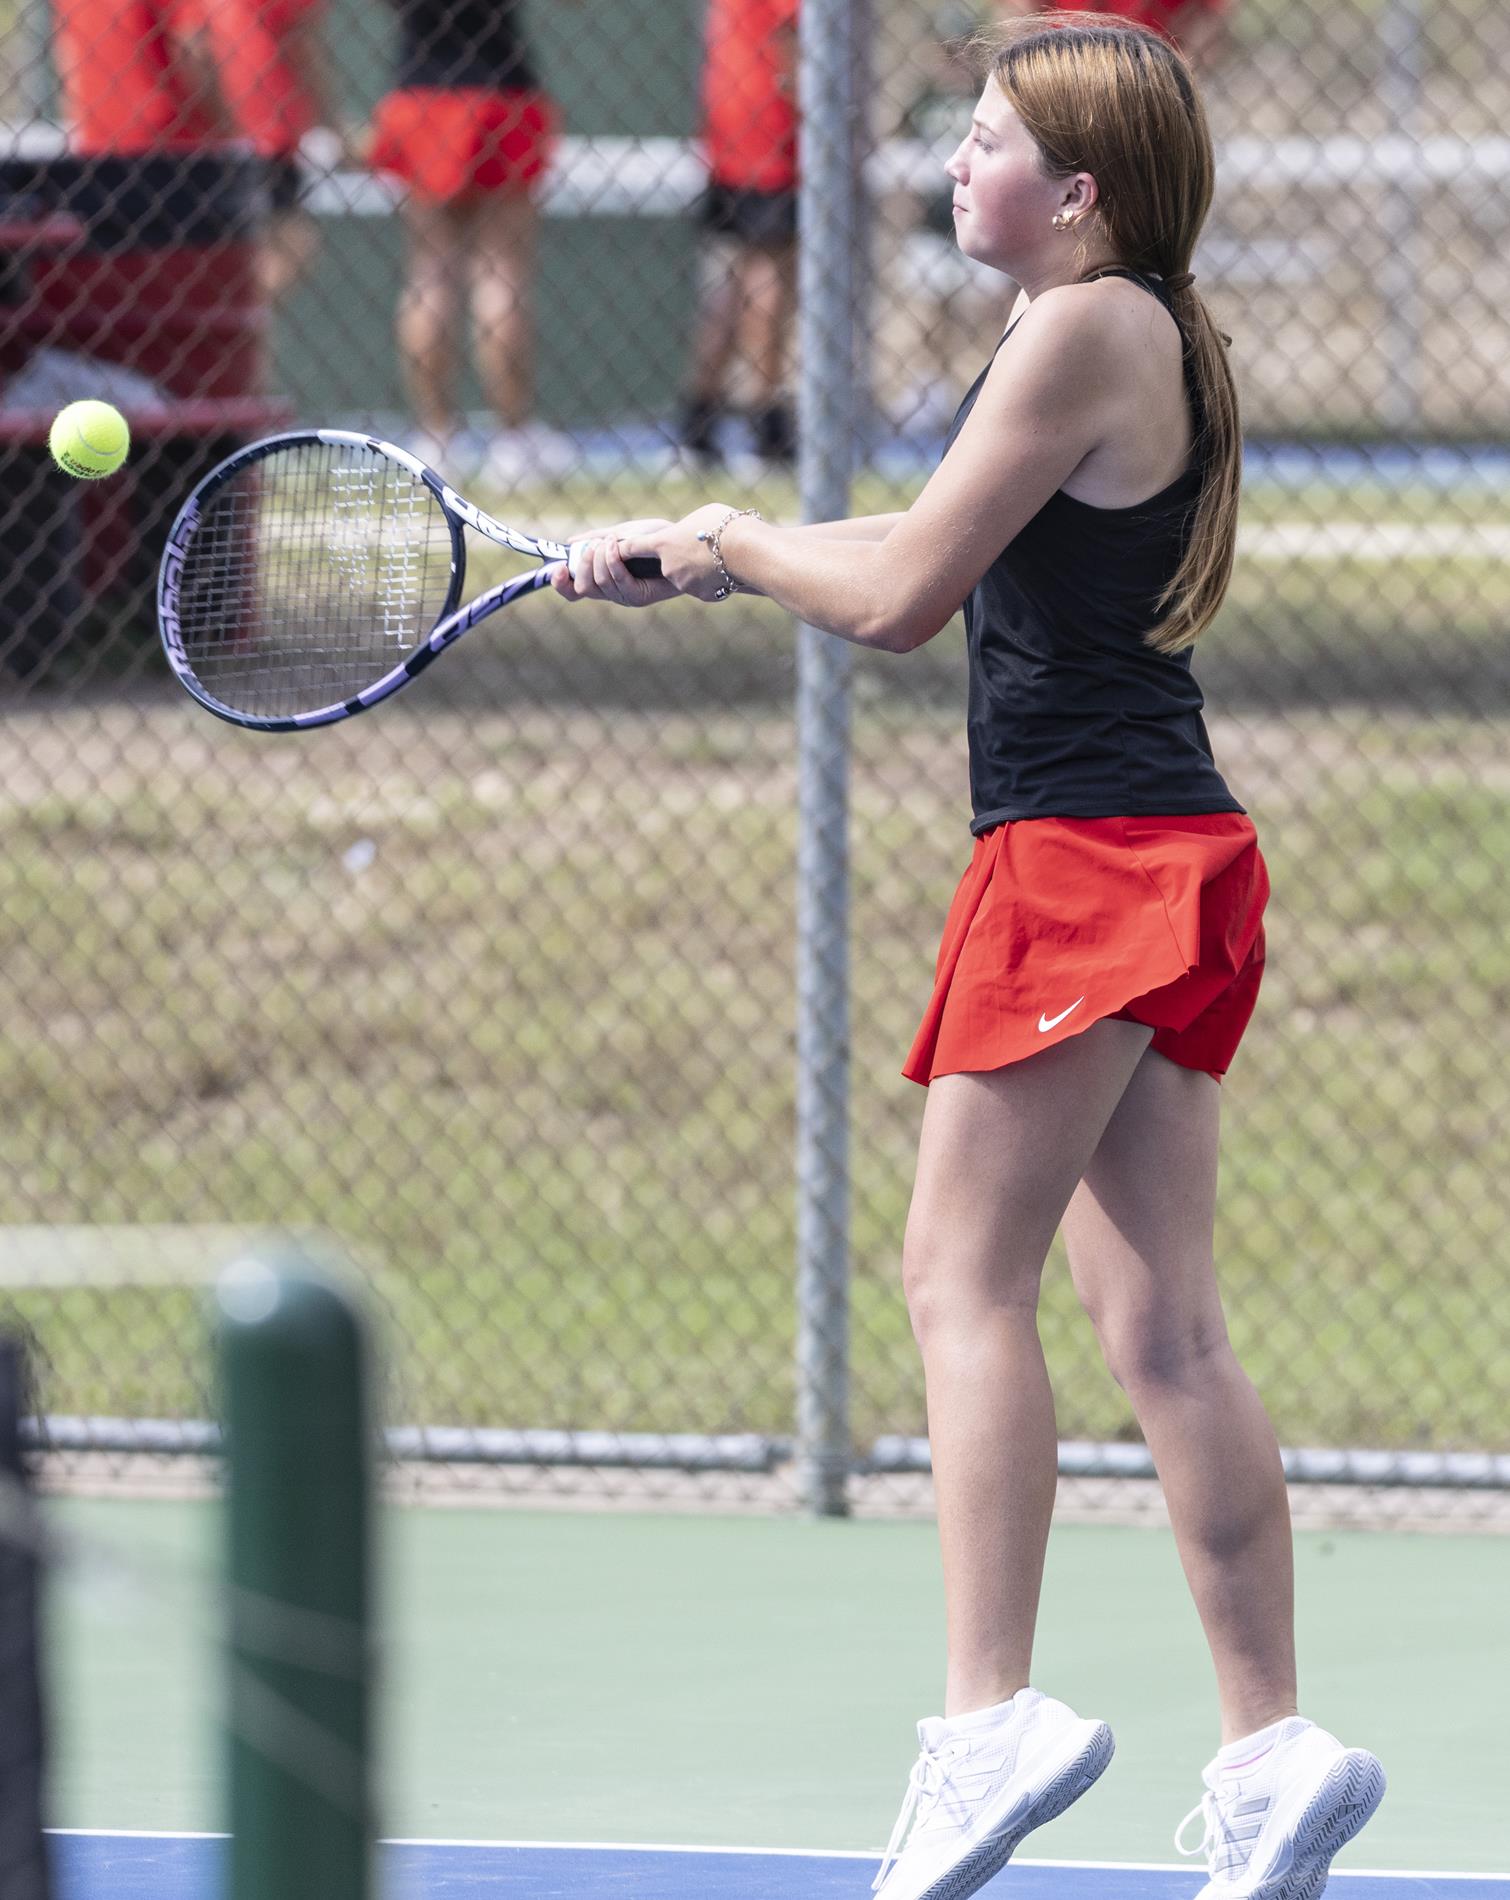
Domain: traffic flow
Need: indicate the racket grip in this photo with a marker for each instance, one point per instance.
(644, 567)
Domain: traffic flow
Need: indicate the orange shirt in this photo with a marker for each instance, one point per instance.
(750, 94)
(1158, 14)
(125, 84)
(263, 87)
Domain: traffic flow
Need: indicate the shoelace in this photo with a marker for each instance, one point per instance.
(930, 1773)
(1216, 1837)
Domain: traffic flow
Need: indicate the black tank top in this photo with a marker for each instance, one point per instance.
(1072, 714)
(462, 43)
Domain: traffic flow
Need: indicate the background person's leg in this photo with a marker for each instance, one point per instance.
(713, 341)
(767, 302)
(505, 230)
(289, 245)
(999, 1158)
(1139, 1231)
(429, 312)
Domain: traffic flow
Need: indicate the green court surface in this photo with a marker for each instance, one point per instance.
(725, 1680)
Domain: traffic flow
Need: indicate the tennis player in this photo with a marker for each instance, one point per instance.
(1102, 955)
(274, 75)
(470, 133)
(750, 140)
(132, 77)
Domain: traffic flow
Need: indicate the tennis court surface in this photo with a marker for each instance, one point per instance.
(166, 1867)
(729, 1701)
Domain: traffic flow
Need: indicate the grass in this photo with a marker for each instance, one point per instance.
(533, 1063)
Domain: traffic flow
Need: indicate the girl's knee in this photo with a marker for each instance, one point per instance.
(1146, 1352)
(950, 1284)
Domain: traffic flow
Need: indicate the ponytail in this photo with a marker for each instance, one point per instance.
(1190, 601)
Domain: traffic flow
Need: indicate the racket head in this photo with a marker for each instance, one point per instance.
(303, 574)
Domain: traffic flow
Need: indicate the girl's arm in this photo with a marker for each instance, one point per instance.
(862, 531)
(862, 528)
(1045, 405)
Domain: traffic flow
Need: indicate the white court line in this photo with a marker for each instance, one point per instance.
(793, 1853)
(1376, 541)
(847, 1853)
(137, 1834)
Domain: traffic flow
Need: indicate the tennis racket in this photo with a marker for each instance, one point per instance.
(311, 575)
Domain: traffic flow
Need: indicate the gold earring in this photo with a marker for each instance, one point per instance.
(1061, 221)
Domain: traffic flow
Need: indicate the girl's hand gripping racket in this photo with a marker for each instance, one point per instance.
(311, 575)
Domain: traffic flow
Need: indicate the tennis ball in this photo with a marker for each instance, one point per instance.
(89, 439)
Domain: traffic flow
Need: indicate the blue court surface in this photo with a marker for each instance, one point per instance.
(97, 1866)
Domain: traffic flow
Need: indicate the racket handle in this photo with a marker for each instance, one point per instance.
(644, 567)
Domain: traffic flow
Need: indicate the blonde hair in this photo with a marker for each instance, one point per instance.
(1101, 95)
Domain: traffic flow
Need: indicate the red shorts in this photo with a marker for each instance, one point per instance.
(450, 143)
(1061, 922)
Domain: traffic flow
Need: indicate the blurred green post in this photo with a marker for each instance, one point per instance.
(293, 1357)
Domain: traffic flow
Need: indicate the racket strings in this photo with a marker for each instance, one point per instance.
(310, 574)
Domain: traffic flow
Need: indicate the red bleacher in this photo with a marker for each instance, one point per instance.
(144, 263)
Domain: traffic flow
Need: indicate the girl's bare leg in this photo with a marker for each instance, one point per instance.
(1139, 1231)
(999, 1159)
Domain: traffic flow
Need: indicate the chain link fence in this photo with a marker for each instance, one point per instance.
(496, 988)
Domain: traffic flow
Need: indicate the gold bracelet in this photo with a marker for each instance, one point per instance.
(714, 538)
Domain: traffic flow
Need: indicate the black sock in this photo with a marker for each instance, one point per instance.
(697, 427)
(775, 432)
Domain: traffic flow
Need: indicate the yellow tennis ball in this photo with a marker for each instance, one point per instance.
(89, 439)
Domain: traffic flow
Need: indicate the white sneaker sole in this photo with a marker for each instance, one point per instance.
(990, 1854)
(1353, 1788)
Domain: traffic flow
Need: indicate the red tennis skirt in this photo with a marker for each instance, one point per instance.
(1061, 922)
(450, 143)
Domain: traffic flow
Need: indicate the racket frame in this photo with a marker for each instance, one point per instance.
(458, 513)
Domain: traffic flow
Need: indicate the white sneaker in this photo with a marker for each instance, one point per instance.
(1278, 1805)
(981, 1784)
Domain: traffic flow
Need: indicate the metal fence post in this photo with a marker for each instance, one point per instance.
(1402, 41)
(830, 107)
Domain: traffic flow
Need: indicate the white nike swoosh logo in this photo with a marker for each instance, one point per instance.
(1046, 1023)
